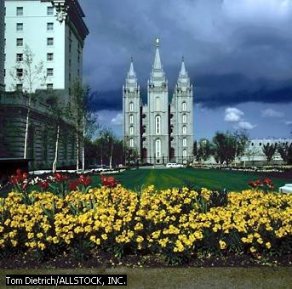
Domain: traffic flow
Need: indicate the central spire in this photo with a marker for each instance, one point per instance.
(157, 62)
(183, 72)
(131, 73)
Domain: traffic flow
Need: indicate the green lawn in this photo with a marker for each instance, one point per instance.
(166, 178)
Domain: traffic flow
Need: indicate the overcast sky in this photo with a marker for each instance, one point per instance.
(238, 55)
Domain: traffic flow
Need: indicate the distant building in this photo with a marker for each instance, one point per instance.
(2, 27)
(254, 154)
(55, 32)
(55, 35)
(161, 130)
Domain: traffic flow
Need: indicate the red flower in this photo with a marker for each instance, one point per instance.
(73, 185)
(252, 184)
(85, 180)
(43, 184)
(267, 181)
(13, 180)
(18, 172)
(108, 181)
(60, 178)
(19, 177)
(264, 184)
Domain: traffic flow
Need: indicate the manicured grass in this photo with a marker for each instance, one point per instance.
(212, 179)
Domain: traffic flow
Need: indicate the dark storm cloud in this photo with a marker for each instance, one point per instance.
(235, 51)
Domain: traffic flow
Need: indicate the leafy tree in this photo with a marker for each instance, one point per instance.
(269, 150)
(204, 150)
(131, 155)
(195, 148)
(228, 146)
(57, 114)
(106, 143)
(285, 151)
(77, 109)
(28, 75)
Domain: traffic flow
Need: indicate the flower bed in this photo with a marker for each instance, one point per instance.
(176, 224)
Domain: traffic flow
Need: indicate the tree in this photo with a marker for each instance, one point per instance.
(269, 150)
(204, 150)
(285, 151)
(131, 155)
(57, 115)
(228, 146)
(109, 148)
(27, 74)
(195, 148)
(77, 107)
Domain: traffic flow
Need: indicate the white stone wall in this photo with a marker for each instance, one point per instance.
(34, 35)
(67, 48)
(132, 112)
(2, 10)
(158, 92)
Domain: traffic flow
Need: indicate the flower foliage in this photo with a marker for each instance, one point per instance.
(176, 223)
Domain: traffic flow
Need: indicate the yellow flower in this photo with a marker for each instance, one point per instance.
(252, 249)
(268, 245)
(139, 239)
(138, 227)
(222, 245)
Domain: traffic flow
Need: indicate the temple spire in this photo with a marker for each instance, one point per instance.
(157, 62)
(131, 73)
(183, 71)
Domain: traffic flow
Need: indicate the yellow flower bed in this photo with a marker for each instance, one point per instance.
(171, 222)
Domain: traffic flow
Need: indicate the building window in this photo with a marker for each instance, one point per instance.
(19, 42)
(19, 87)
(19, 72)
(158, 148)
(19, 26)
(50, 56)
(157, 103)
(50, 86)
(184, 106)
(50, 71)
(184, 142)
(50, 11)
(50, 26)
(184, 153)
(131, 130)
(19, 57)
(131, 106)
(131, 143)
(50, 41)
(131, 119)
(184, 130)
(184, 118)
(19, 11)
(157, 124)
